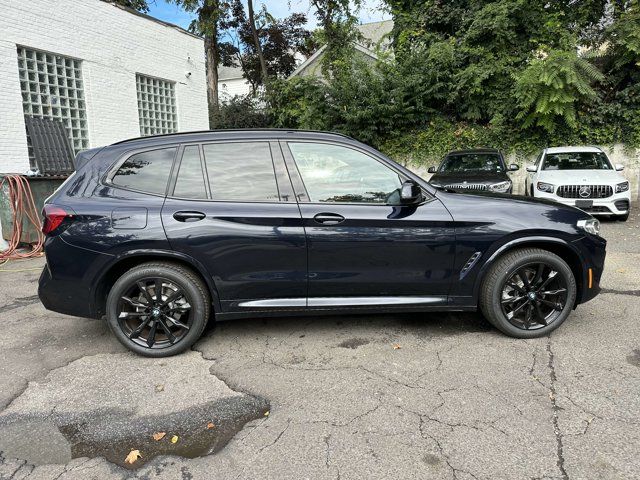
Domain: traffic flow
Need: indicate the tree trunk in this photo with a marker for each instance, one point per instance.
(256, 40)
(211, 50)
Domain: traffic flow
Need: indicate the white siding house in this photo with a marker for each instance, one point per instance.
(107, 72)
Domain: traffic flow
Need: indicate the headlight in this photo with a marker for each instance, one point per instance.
(545, 187)
(500, 187)
(590, 225)
(622, 187)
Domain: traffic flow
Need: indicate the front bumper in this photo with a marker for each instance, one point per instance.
(617, 204)
(593, 252)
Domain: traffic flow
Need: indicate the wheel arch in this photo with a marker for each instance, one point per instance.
(555, 245)
(128, 260)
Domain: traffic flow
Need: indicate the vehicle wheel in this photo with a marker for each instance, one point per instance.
(158, 309)
(623, 218)
(528, 293)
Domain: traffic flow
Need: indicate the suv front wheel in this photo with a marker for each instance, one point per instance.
(158, 309)
(528, 293)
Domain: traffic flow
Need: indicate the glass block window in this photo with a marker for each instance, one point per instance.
(52, 87)
(156, 105)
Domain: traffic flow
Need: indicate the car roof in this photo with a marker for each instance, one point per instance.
(223, 134)
(474, 150)
(569, 149)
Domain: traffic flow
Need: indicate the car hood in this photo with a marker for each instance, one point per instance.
(581, 177)
(446, 178)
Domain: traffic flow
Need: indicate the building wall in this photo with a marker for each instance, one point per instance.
(232, 87)
(113, 45)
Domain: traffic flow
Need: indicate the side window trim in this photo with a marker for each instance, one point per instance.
(107, 178)
(299, 190)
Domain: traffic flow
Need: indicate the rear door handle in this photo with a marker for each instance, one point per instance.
(328, 218)
(188, 216)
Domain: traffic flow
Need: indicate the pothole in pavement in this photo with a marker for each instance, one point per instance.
(107, 405)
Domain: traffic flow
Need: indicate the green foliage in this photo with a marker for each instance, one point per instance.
(551, 88)
(138, 5)
(468, 73)
(241, 112)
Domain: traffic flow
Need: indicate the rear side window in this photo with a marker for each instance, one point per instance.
(146, 171)
(190, 181)
(241, 171)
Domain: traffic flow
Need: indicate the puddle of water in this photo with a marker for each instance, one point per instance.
(113, 435)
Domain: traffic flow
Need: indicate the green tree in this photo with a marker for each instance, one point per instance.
(210, 15)
(552, 87)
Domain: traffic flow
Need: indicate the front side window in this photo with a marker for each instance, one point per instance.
(576, 161)
(472, 162)
(190, 180)
(146, 171)
(241, 171)
(156, 105)
(332, 173)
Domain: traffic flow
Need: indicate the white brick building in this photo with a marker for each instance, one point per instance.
(106, 72)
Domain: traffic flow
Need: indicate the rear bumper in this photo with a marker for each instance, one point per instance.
(65, 284)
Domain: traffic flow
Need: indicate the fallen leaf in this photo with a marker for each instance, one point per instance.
(133, 456)
(396, 346)
(210, 425)
(266, 414)
(174, 439)
(621, 270)
(158, 436)
(159, 388)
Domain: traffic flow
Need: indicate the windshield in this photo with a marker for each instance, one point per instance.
(472, 162)
(576, 161)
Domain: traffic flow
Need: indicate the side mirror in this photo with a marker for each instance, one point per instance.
(432, 170)
(532, 168)
(410, 193)
(619, 167)
(513, 167)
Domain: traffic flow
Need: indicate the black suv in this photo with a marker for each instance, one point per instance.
(159, 234)
(481, 169)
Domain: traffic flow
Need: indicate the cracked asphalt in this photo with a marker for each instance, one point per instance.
(375, 396)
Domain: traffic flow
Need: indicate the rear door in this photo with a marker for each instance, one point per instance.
(231, 207)
(364, 248)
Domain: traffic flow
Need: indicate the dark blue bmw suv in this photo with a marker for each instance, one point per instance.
(160, 234)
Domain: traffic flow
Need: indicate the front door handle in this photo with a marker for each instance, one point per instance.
(188, 216)
(328, 218)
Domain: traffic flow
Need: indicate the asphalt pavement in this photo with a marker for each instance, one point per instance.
(369, 396)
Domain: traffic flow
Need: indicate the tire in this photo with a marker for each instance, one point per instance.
(497, 296)
(182, 319)
(623, 218)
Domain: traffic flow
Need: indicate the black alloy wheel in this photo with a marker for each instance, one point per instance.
(158, 309)
(528, 293)
(534, 296)
(154, 312)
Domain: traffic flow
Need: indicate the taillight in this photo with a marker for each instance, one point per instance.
(54, 215)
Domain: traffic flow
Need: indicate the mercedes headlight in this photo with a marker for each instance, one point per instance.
(545, 187)
(622, 187)
(501, 187)
(590, 225)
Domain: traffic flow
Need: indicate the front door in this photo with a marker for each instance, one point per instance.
(364, 248)
(232, 208)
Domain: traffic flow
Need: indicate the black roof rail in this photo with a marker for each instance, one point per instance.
(230, 130)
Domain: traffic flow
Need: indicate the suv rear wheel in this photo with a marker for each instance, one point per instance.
(158, 309)
(528, 293)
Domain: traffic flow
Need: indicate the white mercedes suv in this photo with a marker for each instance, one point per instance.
(580, 176)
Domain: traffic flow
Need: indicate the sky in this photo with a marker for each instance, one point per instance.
(371, 11)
